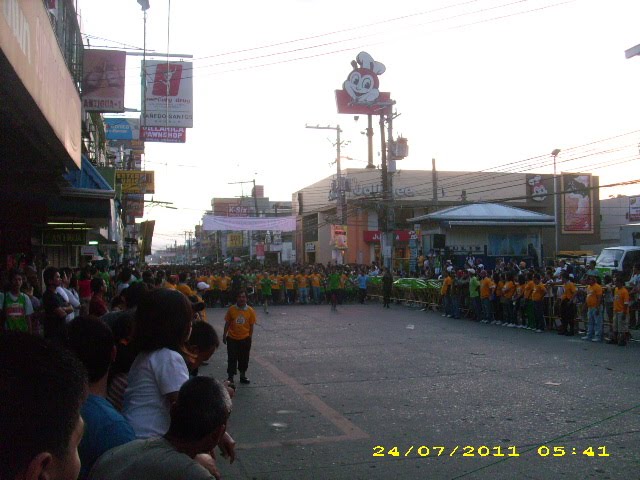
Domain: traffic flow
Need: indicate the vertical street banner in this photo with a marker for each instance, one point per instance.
(577, 203)
(103, 80)
(634, 209)
(339, 237)
(168, 96)
(146, 230)
(134, 205)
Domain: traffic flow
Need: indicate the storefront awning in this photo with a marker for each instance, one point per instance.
(481, 214)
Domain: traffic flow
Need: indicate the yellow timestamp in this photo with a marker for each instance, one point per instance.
(451, 451)
(484, 451)
(561, 451)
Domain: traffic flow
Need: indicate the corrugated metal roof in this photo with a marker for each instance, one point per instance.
(485, 211)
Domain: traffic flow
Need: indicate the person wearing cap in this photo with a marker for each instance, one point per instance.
(594, 315)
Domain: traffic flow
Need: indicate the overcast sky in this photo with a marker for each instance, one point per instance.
(478, 84)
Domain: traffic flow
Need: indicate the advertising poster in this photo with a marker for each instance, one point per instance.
(169, 94)
(339, 237)
(634, 209)
(234, 240)
(103, 81)
(577, 203)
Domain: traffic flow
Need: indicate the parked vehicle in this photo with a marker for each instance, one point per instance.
(621, 259)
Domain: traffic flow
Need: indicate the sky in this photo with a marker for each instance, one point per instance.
(478, 84)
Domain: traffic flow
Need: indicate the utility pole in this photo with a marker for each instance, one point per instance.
(255, 203)
(370, 142)
(340, 205)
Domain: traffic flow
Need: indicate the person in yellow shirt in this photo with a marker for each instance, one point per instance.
(508, 292)
(445, 291)
(567, 306)
(621, 300)
(538, 293)
(171, 282)
(276, 282)
(528, 302)
(238, 333)
(215, 290)
(301, 280)
(182, 285)
(316, 280)
(486, 290)
(290, 286)
(223, 286)
(594, 313)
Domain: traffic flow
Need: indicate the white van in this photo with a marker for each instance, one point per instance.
(618, 259)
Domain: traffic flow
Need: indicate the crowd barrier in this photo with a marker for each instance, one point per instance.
(430, 298)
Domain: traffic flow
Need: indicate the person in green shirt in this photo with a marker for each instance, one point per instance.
(474, 294)
(333, 285)
(265, 285)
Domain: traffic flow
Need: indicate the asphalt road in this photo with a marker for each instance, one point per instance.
(370, 393)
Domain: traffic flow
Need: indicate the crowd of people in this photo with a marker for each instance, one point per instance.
(111, 387)
(517, 296)
(118, 372)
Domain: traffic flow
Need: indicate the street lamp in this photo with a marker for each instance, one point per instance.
(556, 198)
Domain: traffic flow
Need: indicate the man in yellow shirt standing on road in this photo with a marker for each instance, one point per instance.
(594, 314)
(238, 332)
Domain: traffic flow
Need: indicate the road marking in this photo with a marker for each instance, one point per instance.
(350, 431)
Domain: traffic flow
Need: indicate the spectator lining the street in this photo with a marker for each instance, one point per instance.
(40, 402)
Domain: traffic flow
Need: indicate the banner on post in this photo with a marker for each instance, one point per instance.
(577, 203)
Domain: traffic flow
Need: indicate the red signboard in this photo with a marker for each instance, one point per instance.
(382, 105)
(163, 134)
(373, 236)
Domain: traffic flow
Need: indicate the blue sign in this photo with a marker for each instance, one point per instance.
(122, 128)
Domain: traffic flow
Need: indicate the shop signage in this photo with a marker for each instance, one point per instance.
(59, 238)
(29, 45)
(310, 247)
(89, 250)
(537, 190)
(122, 129)
(103, 81)
(237, 211)
(373, 236)
(134, 181)
(163, 134)
(634, 209)
(169, 94)
(374, 190)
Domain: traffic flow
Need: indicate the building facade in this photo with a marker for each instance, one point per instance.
(420, 192)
